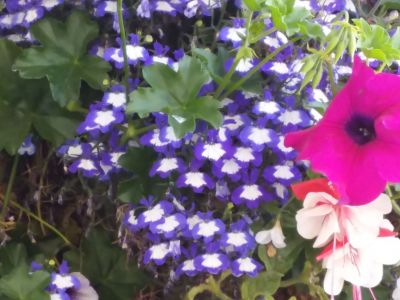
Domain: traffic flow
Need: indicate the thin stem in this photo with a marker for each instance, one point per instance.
(142, 130)
(332, 79)
(374, 8)
(218, 26)
(9, 187)
(290, 282)
(228, 76)
(381, 67)
(216, 290)
(253, 71)
(41, 221)
(125, 54)
(41, 182)
(396, 207)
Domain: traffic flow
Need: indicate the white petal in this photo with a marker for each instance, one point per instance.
(263, 237)
(333, 283)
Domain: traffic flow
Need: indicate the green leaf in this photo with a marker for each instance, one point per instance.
(14, 127)
(21, 284)
(62, 57)
(375, 42)
(107, 267)
(252, 4)
(292, 19)
(214, 62)
(176, 94)
(284, 258)
(265, 284)
(139, 162)
(12, 255)
(26, 105)
(206, 108)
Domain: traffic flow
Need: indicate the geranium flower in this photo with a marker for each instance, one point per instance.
(323, 217)
(357, 142)
(363, 267)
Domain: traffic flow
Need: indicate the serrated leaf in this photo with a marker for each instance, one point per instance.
(21, 284)
(62, 57)
(214, 62)
(26, 105)
(147, 100)
(206, 108)
(107, 267)
(176, 94)
(376, 42)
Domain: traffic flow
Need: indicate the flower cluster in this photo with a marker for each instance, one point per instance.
(194, 242)
(357, 240)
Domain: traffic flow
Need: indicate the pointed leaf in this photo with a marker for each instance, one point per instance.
(62, 57)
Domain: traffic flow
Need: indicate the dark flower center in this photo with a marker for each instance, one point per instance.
(361, 129)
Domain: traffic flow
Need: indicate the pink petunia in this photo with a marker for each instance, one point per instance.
(357, 142)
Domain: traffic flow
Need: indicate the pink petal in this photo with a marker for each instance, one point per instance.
(387, 159)
(387, 125)
(364, 183)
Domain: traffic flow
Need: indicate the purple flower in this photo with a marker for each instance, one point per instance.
(246, 155)
(245, 266)
(208, 229)
(169, 226)
(188, 268)
(196, 180)
(257, 137)
(234, 34)
(213, 263)
(249, 194)
(294, 119)
(211, 151)
(116, 98)
(166, 165)
(285, 174)
(100, 119)
(27, 147)
(239, 241)
(63, 281)
(269, 108)
(227, 167)
(87, 166)
(157, 253)
(155, 214)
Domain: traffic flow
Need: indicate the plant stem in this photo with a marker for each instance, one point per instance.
(216, 290)
(395, 205)
(41, 221)
(125, 54)
(242, 80)
(290, 282)
(227, 77)
(39, 196)
(332, 79)
(9, 187)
